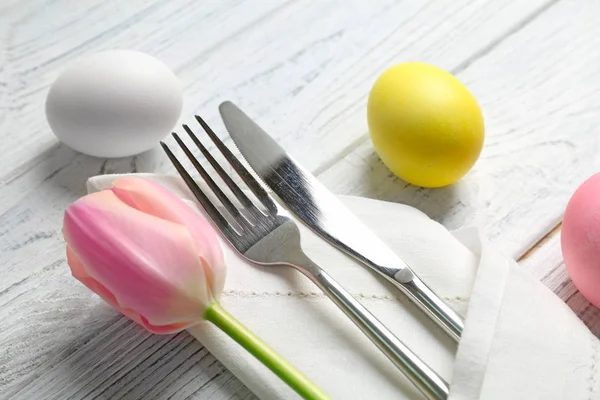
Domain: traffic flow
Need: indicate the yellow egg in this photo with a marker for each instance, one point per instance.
(425, 124)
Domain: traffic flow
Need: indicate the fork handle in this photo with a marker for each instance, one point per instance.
(419, 373)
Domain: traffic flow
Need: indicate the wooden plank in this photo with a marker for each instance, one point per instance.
(305, 76)
(546, 263)
(541, 243)
(167, 367)
(43, 40)
(298, 67)
(47, 317)
(314, 102)
(538, 91)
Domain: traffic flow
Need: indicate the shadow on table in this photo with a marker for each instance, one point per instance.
(95, 353)
(586, 311)
(116, 358)
(64, 170)
(438, 203)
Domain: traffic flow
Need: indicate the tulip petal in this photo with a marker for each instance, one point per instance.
(165, 329)
(79, 272)
(158, 275)
(154, 199)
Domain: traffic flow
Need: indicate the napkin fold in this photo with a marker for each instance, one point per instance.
(520, 340)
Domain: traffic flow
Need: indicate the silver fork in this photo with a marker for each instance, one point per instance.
(272, 238)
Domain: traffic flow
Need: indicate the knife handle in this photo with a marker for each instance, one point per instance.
(448, 319)
(419, 373)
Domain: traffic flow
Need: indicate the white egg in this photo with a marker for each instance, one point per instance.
(114, 104)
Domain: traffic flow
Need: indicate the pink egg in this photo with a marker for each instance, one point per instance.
(580, 239)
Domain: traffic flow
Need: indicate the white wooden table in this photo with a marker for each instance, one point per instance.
(303, 69)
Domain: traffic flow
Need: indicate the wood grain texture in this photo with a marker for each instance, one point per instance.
(547, 264)
(180, 33)
(538, 89)
(294, 66)
(50, 319)
(303, 70)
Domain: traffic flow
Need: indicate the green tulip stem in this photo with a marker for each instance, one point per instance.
(265, 354)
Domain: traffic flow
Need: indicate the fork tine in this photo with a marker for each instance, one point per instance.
(208, 206)
(235, 189)
(211, 183)
(252, 183)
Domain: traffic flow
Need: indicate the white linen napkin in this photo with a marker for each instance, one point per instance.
(520, 340)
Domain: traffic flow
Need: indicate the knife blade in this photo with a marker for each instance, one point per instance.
(319, 209)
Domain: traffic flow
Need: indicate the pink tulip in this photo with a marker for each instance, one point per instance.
(145, 252)
(153, 258)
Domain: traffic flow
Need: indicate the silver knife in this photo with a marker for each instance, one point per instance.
(305, 197)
